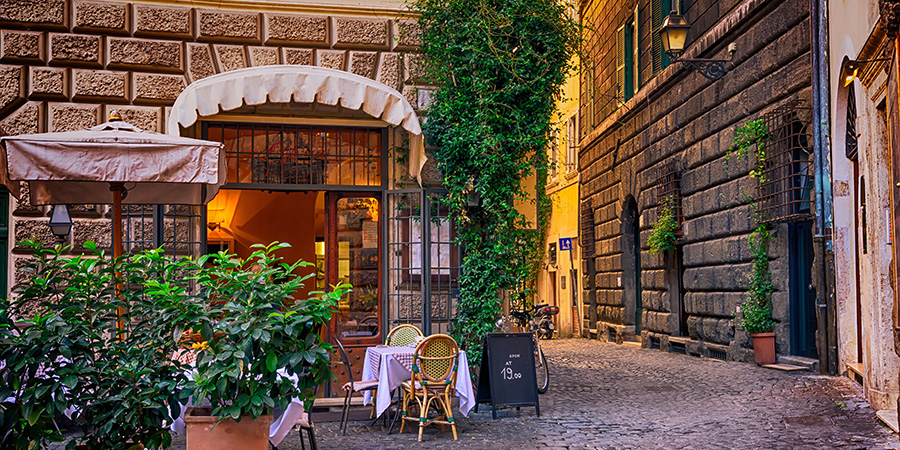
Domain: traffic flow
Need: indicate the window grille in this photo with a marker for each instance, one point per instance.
(586, 229)
(175, 228)
(668, 189)
(786, 172)
(264, 154)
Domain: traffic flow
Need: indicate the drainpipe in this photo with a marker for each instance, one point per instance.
(824, 263)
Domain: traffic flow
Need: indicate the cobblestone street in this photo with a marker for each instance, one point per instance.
(609, 396)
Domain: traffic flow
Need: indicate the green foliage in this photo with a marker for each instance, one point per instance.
(752, 134)
(122, 384)
(662, 238)
(261, 329)
(498, 66)
(756, 310)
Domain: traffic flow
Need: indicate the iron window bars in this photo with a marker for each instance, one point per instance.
(668, 189)
(785, 168)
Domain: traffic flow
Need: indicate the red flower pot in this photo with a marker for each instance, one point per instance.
(764, 348)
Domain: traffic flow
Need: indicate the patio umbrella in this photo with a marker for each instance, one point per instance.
(113, 163)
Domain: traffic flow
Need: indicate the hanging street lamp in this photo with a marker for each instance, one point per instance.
(673, 35)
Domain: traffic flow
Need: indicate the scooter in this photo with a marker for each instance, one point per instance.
(545, 324)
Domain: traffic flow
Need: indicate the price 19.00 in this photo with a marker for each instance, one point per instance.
(508, 374)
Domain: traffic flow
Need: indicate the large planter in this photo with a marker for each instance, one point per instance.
(764, 348)
(205, 432)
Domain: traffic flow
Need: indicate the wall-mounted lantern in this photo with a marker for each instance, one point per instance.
(60, 222)
(673, 35)
(852, 67)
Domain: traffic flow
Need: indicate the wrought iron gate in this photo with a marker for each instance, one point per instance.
(421, 275)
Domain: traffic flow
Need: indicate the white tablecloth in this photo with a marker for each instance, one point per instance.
(391, 366)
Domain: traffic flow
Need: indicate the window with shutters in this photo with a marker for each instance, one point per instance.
(554, 155)
(572, 144)
(635, 49)
(659, 10)
(624, 65)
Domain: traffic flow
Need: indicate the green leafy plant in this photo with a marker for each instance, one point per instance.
(751, 135)
(119, 383)
(498, 66)
(756, 309)
(259, 331)
(662, 237)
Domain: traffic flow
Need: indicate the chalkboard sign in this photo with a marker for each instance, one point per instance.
(507, 374)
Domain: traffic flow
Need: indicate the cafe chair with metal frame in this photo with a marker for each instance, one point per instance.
(433, 382)
(403, 335)
(351, 387)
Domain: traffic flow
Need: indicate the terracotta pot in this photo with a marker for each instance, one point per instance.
(764, 348)
(205, 432)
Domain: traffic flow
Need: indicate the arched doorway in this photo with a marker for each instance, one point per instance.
(631, 265)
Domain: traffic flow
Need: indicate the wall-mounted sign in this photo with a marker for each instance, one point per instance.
(565, 244)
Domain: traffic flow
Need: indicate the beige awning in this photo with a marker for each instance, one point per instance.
(77, 167)
(302, 84)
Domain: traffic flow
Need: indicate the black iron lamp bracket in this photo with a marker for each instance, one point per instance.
(711, 69)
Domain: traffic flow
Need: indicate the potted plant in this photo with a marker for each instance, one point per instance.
(102, 332)
(756, 309)
(264, 347)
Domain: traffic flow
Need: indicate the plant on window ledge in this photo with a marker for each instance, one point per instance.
(663, 238)
(498, 66)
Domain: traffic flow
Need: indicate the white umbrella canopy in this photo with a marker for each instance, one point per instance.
(113, 163)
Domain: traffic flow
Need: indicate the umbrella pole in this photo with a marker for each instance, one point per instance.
(117, 190)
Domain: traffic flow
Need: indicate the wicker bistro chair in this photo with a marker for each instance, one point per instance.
(433, 383)
(351, 387)
(403, 335)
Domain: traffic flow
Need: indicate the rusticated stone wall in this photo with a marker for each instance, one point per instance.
(679, 117)
(66, 64)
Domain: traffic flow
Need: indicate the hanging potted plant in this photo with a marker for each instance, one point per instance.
(756, 309)
(264, 348)
(96, 346)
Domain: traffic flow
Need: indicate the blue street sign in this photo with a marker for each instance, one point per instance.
(565, 244)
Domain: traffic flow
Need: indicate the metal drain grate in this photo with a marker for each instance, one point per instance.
(677, 347)
(654, 342)
(610, 335)
(716, 354)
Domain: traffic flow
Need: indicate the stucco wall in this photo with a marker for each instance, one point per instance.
(871, 269)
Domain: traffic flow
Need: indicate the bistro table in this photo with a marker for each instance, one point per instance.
(391, 366)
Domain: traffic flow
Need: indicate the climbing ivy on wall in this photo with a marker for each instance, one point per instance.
(498, 66)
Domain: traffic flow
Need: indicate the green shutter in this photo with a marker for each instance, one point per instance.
(628, 56)
(635, 45)
(620, 64)
(660, 9)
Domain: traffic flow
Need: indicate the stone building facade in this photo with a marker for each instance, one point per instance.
(66, 64)
(655, 129)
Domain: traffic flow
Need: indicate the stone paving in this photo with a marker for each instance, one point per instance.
(616, 397)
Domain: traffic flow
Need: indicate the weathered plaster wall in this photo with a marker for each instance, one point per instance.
(880, 363)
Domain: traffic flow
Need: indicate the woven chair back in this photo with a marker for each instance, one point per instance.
(403, 335)
(437, 358)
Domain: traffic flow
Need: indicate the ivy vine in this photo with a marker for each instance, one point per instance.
(498, 66)
(756, 309)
